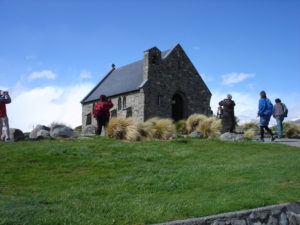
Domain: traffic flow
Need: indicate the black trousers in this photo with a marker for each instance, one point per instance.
(101, 122)
(262, 131)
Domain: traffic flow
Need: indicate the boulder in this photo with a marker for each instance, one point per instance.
(196, 134)
(62, 131)
(231, 137)
(43, 134)
(89, 130)
(37, 129)
(16, 134)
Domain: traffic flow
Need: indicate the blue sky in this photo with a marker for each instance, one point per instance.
(53, 52)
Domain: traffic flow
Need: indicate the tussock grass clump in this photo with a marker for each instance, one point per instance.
(249, 134)
(57, 123)
(123, 129)
(251, 125)
(292, 130)
(181, 127)
(194, 121)
(157, 129)
(210, 127)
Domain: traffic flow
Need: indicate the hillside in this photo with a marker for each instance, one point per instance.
(104, 181)
(296, 121)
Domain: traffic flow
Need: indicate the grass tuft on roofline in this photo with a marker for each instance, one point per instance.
(106, 181)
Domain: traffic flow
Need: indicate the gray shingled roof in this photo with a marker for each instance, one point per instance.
(121, 80)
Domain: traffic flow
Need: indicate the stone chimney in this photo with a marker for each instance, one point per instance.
(152, 58)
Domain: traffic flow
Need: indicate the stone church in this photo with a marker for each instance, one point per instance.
(163, 84)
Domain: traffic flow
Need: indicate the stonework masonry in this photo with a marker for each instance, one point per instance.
(171, 88)
(283, 214)
(174, 75)
(134, 108)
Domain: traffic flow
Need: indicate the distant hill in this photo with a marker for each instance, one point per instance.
(296, 121)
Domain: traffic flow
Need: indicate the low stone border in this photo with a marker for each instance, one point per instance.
(282, 214)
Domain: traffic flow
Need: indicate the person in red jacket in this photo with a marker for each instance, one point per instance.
(101, 113)
(4, 99)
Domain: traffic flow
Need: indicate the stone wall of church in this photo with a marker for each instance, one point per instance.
(166, 77)
(134, 107)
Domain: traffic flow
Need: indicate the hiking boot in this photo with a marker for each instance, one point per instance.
(273, 138)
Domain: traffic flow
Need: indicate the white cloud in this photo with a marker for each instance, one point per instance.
(233, 78)
(47, 104)
(246, 105)
(84, 74)
(48, 74)
(2, 88)
(196, 48)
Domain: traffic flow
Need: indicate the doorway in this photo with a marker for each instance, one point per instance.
(177, 107)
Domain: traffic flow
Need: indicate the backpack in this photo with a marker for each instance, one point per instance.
(98, 111)
(285, 110)
(269, 108)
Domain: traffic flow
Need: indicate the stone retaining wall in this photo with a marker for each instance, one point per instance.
(283, 214)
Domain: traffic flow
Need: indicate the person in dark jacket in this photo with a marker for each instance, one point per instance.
(4, 99)
(228, 119)
(279, 112)
(101, 113)
(265, 110)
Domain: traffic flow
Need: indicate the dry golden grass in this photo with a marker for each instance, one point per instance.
(249, 134)
(157, 129)
(292, 130)
(194, 121)
(181, 127)
(123, 129)
(210, 127)
(251, 125)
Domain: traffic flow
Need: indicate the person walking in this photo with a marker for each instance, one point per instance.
(280, 111)
(4, 99)
(101, 113)
(228, 120)
(265, 110)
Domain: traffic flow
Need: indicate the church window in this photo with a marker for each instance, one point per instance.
(124, 102)
(119, 103)
(88, 119)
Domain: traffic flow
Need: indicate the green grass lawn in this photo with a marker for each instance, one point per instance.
(105, 181)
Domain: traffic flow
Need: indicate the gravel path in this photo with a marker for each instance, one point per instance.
(291, 142)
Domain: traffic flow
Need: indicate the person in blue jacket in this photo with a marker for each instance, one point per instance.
(265, 110)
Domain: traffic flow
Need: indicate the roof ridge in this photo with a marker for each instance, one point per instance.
(100, 82)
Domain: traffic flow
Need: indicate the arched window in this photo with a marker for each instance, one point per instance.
(88, 119)
(124, 102)
(119, 103)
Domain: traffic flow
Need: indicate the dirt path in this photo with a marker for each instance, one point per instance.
(291, 142)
